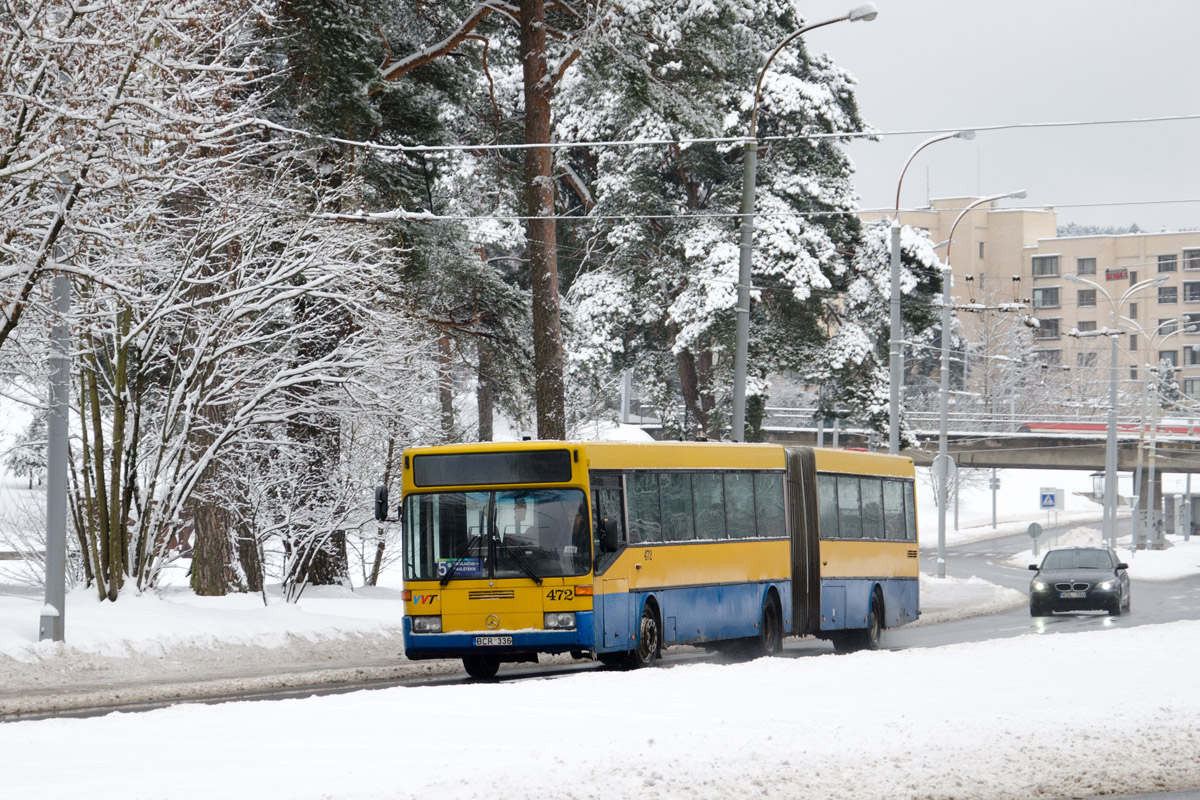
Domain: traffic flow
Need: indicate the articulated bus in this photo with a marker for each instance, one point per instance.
(613, 551)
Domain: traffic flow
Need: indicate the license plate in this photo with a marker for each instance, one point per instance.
(493, 641)
(1072, 595)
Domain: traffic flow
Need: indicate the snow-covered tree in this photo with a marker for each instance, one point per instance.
(27, 458)
(664, 280)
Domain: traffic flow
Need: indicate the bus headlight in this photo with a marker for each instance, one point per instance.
(427, 624)
(560, 620)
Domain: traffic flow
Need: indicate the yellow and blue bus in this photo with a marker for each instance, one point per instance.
(612, 550)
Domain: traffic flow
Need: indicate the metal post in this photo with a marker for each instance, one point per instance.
(944, 404)
(995, 490)
(896, 348)
(626, 394)
(53, 619)
(742, 328)
(1110, 456)
(837, 430)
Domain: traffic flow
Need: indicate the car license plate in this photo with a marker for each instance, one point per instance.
(1072, 595)
(493, 641)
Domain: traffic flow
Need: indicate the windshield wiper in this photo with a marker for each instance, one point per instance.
(528, 570)
(455, 562)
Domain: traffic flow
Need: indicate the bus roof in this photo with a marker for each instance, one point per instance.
(691, 455)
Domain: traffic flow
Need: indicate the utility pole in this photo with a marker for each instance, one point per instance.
(53, 620)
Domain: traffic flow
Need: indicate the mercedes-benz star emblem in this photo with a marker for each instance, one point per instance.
(492, 622)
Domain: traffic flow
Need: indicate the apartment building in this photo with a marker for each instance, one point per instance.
(1076, 284)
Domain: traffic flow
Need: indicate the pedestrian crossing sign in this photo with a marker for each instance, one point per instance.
(1050, 499)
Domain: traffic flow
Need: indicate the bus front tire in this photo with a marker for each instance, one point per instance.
(649, 640)
(481, 668)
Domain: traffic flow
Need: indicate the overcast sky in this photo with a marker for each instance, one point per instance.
(925, 64)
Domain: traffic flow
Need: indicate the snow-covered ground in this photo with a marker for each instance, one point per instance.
(1040, 715)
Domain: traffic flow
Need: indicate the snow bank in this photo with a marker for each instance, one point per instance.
(1010, 718)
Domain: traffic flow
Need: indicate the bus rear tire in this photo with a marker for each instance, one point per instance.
(872, 635)
(481, 668)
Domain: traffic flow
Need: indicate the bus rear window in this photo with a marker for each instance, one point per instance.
(485, 469)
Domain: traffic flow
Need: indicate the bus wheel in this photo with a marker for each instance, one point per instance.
(649, 639)
(873, 634)
(770, 632)
(481, 668)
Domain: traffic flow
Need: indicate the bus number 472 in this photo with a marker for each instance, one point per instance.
(560, 594)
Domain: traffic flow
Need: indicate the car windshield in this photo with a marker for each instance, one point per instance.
(530, 533)
(1077, 559)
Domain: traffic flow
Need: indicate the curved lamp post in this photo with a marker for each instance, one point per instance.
(1109, 524)
(944, 392)
(864, 13)
(895, 343)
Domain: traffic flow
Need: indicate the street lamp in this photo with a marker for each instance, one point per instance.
(1109, 517)
(1155, 341)
(895, 345)
(864, 13)
(943, 459)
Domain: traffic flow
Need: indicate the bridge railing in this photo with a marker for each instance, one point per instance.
(1004, 422)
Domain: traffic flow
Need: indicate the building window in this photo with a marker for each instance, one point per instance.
(1086, 297)
(1191, 258)
(1132, 277)
(1191, 387)
(1170, 356)
(1047, 329)
(1191, 323)
(1045, 298)
(1050, 358)
(1133, 342)
(1168, 263)
(1085, 266)
(1191, 291)
(1085, 359)
(1168, 294)
(1191, 356)
(1045, 266)
(1133, 310)
(981, 251)
(1133, 373)
(1086, 325)
(1166, 326)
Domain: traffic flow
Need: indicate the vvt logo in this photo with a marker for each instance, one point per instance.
(424, 599)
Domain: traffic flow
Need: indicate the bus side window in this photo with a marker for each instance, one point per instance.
(609, 520)
(910, 511)
(739, 505)
(849, 508)
(872, 507)
(709, 490)
(768, 504)
(827, 505)
(893, 510)
(645, 515)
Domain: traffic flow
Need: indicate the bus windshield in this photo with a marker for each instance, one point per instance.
(529, 533)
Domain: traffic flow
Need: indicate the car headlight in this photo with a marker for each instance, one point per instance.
(1039, 586)
(560, 620)
(427, 624)
(1104, 586)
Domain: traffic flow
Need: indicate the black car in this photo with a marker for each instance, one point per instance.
(1079, 579)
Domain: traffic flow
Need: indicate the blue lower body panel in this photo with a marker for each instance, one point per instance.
(462, 643)
(690, 615)
(846, 602)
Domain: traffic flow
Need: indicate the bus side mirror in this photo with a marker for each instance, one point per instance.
(381, 503)
(608, 537)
